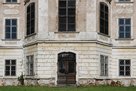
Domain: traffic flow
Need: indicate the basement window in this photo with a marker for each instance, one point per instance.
(10, 67)
(104, 65)
(30, 65)
(124, 67)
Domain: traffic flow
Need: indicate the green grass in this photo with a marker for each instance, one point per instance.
(101, 88)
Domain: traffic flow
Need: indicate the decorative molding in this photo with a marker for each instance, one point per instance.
(26, 1)
(109, 1)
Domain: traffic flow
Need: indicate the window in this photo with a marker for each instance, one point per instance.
(11, 29)
(124, 0)
(10, 67)
(11, 1)
(30, 19)
(30, 65)
(104, 65)
(124, 28)
(67, 12)
(124, 67)
(104, 14)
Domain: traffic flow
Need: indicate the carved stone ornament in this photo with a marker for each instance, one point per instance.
(26, 1)
(109, 1)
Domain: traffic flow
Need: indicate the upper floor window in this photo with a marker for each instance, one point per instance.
(11, 29)
(124, 28)
(124, 67)
(10, 67)
(11, 1)
(104, 20)
(124, 0)
(67, 12)
(30, 19)
(104, 65)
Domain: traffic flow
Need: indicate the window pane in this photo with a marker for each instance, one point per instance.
(128, 73)
(122, 68)
(7, 68)
(7, 73)
(13, 62)
(7, 62)
(71, 19)
(14, 0)
(8, 0)
(71, 11)
(62, 19)
(62, 4)
(7, 21)
(128, 21)
(121, 73)
(121, 35)
(71, 3)
(14, 22)
(127, 68)
(122, 62)
(14, 29)
(127, 35)
(13, 73)
(14, 36)
(102, 14)
(106, 9)
(62, 27)
(8, 29)
(13, 68)
(127, 62)
(128, 29)
(121, 29)
(121, 21)
(71, 27)
(62, 11)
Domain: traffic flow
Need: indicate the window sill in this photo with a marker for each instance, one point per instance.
(125, 2)
(66, 32)
(11, 3)
(10, 77)
(125, 39)
(10, 39)
(33, 34)
(124, 76)
(104, 35)
(29, 77)
(103, 78)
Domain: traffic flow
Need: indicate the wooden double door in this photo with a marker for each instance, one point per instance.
(67, 69)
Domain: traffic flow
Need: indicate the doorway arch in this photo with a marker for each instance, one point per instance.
(66, 68)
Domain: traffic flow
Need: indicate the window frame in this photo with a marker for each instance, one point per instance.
(104, 71)
(124, 75)
(30, 16)
(124, 1)
(10, 66)
(66, 25)
(10, 26)
(124, 26)
(103, 29)
(11, 1)
(29, 70)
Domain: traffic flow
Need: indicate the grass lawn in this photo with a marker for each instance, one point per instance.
(101, 88)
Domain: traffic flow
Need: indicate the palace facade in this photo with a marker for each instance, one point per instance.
(80, 42)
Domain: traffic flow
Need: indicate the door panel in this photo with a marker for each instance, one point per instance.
(66, 68)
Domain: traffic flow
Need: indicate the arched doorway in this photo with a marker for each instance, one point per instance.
(66, 68)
